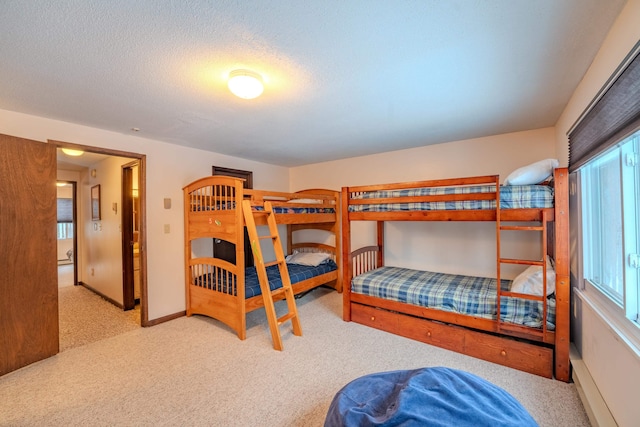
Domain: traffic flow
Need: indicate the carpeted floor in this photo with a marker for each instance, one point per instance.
(193, 371)
(86, 317)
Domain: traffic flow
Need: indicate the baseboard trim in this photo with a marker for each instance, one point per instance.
(111, 300)
(595, 406)
(165, 318)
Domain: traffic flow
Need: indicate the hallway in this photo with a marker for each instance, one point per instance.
(85, 317)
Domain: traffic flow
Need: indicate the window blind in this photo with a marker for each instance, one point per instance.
(65, 210)
(611, 116)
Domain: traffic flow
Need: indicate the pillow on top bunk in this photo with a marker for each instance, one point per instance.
(313, 259)
(530, 280)
(534, 173)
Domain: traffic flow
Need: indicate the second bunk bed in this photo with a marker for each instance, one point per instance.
(523, 324)
(227, 291)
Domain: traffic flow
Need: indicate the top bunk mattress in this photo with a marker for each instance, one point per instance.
(511, 197)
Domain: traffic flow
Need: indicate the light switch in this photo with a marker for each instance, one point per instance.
(167, 229)
(167, 203)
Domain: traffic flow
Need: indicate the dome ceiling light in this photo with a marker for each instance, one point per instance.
(72, 152)
(245, 84)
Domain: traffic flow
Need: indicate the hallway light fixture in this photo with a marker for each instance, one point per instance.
(245, 84)
(72, 152)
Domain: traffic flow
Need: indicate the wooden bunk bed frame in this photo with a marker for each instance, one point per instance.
(538, 351)
(213, 209)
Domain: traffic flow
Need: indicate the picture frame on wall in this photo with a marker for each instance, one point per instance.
(95, 203)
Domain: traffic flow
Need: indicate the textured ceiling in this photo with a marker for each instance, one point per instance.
(343, 77)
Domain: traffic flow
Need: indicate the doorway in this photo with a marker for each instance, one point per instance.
(98, 269)
(131, 235)
(66, 235)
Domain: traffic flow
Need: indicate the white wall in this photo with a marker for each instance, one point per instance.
(169, 168)
(465, 248)
(614, 366)
(101, 248)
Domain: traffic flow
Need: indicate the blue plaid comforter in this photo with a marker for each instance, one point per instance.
(276, 209)
(511, 197)
(297, 273)
(473, 296)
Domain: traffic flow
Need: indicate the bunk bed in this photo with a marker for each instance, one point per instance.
(493, 319)
(227, 291)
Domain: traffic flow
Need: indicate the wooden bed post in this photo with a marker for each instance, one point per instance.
(380, 233)
(563, 289)
(187, 249)
(335, 228)
(346, 256)
(240, 224)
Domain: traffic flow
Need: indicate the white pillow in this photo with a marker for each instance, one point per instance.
(313, 259)
(534, 173)
(530, 280)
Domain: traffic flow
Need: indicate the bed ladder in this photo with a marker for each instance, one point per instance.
(541, 228)
(261, 268)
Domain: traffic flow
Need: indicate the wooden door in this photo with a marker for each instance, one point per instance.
(225, 250)
(28, 253)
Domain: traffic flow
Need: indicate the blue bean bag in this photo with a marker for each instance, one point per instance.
(425, 397)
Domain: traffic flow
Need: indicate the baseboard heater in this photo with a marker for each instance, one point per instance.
(595, 406)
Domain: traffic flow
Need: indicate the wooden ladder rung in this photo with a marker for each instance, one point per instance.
(277, 292)
(521, 296)
(286, 317)
(522, 227)
(270, 236)
(269, 264)
(520, 261)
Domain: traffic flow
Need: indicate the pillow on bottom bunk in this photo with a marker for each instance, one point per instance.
(313, 259)
(530, 280)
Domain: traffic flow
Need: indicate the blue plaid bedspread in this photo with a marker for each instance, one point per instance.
(305, 210)
(511, 197)
(297, 273)
(276, 209)
(473, 296)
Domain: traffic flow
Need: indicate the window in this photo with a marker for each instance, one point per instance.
(611, 224)
(65, 230)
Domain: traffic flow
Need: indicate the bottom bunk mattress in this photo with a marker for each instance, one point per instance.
(473, 296)
(222, 281)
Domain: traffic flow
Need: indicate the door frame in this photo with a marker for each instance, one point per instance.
(142, 237)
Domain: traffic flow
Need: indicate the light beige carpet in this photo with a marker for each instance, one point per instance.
(85, 317)
(193, 371)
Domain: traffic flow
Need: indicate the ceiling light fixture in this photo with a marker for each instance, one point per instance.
(72, 152)
(245, 84)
